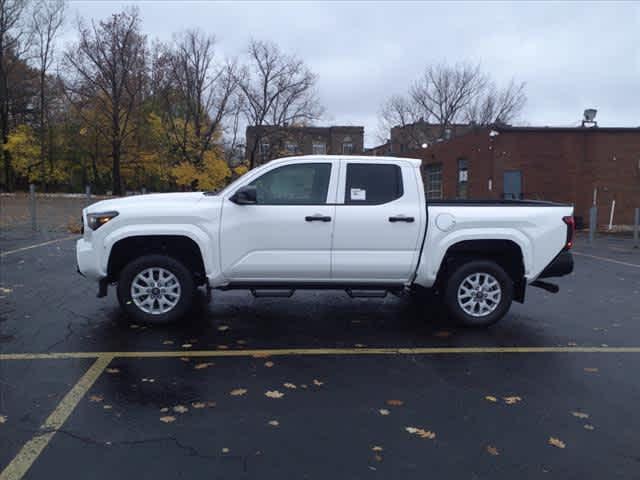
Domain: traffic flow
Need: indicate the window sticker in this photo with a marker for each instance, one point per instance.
(358, 194)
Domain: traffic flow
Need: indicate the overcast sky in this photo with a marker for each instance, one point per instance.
(572, 55)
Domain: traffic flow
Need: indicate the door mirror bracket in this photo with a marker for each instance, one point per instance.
(246, 195)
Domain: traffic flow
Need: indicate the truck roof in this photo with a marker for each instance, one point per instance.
(414, 161)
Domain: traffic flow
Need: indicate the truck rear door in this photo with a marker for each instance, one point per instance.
(379, 222)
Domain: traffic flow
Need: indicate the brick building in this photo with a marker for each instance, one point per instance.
(546, 163)
(268, 142)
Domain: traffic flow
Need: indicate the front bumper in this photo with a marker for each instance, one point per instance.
(560, 266)
(88, 260)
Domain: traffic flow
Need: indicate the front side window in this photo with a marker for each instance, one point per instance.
(347, 148)
(298, 184)
(372, 183)
(433, 179)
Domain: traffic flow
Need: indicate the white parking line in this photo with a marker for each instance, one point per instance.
(605, 259)
(18, 250)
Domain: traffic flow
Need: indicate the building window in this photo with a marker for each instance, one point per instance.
(263, 149)
(347, 148)
(291, 148)
(319, 148)
(463, 179)
(434, 181)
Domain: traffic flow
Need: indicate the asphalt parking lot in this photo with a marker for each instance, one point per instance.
(317, 385)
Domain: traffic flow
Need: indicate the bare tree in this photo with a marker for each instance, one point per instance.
(46, 20)
(278, 90)
(14, 41)
(497, 105)
(449, 94)
(197, 90)
(108, 66)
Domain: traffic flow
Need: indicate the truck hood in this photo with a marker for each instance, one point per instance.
(155, 199)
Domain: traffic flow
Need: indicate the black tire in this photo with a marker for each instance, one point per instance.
(458, 276)
(183, 275)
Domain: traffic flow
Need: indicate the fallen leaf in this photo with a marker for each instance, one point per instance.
(3, 419)
(107, 407)
(133, 325)
(491, 398)
(580, 414)
(359, 345)
(185, 359)
(289, 385)
(186, 345)
(317, 383)
(491, 450)
(168, 342)
(589, 427)
(572, 344)
(591, 370)
(384, 411)
(556, 442)
(200, 366)
(5, 290)
(113, 370)
(422, 433)
(236, 392)
(198, 404)
(303, 385)
(442, 334)
(261, 355)
(377, 458)
(273, 423)
(180, 409)
(225, 450)
(164, 409)
(376, 448)
(193, 340)
(95, 398)
(222, 328)
(395, 403)
(222, 347)
(511, 400)
(268, 364)
(149, 380)
(211, 404)
(168, 419)
(274, 394)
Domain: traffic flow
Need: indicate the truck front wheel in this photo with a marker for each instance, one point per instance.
(155, 289)
(478, 293)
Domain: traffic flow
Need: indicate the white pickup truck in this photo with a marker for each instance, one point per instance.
(361, 224)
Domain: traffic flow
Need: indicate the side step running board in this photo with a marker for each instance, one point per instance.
(549, 287)
(272, 292)
(366, 293)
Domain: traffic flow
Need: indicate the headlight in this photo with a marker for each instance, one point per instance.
(96, 220)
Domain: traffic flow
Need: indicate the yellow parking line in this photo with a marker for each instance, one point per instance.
(18, 250)
(34, 447)
(317, 351)
(605, 259)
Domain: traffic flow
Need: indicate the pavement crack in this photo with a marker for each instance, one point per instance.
(70, 332)
(191, 451)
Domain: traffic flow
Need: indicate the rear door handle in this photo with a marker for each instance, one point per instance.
(401, 218)
(317, 218)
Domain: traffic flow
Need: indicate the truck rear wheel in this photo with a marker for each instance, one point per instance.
(478, 293)
(156, 289)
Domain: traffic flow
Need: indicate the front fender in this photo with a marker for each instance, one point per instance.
(193, 232)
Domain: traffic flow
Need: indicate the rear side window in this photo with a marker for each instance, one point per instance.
(372, 183)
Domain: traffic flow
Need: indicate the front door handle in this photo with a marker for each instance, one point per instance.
(317, 218)
(401, 218)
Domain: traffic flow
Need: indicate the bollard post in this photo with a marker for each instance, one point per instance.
(636, 228)
(32, 206)
(87, 192)
(593, 223)
(144, 190)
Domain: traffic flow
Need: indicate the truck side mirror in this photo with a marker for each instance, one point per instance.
(246, 195)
